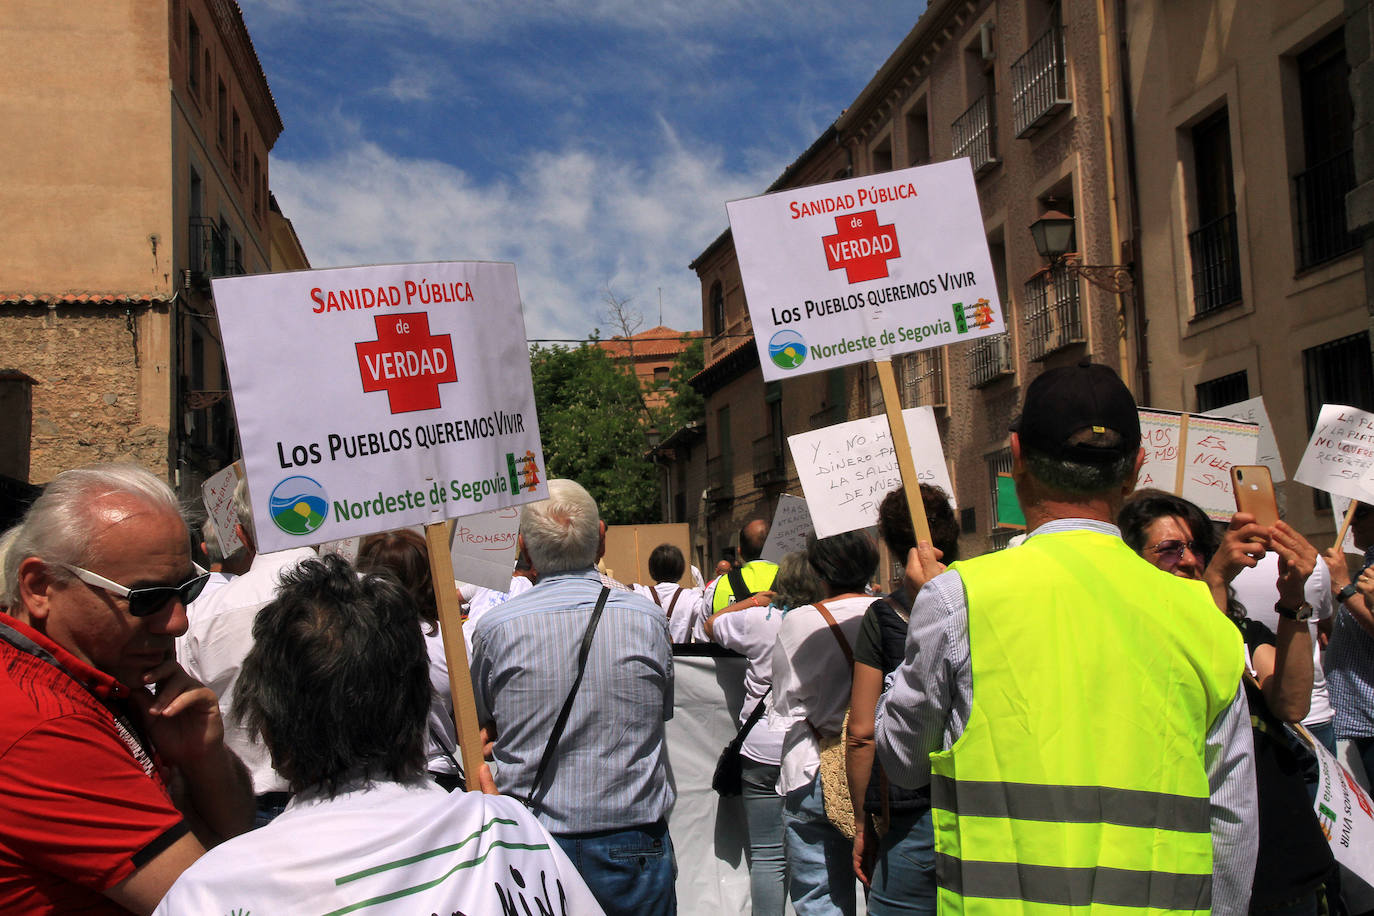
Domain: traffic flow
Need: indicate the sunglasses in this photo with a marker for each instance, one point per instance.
(1171, 551)
(144, 602)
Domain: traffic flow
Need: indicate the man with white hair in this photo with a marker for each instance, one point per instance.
(219, 637)
(97, 721)
(573, 681)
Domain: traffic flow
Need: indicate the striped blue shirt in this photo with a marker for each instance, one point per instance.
(1350, 672)
(610, 769)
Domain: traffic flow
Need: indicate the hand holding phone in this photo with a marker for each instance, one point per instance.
(1254, 492)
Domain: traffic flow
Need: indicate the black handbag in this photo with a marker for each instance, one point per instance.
(728, 779)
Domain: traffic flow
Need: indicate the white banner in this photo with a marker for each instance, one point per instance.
(791, 525)
(861, 269)
(845, 470)
(1340, 453)
(372, 398)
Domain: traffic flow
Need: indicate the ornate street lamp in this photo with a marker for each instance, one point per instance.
(1053, 236)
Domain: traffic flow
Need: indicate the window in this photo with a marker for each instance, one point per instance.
(923, 378)
(918, 134)
(1223, 391)
(717, 309)
(661, 377)
(193, 55)
(974, 133)
(196, 384)
(1214, 245)
(1337, 372)
(237, 161)
(999, 462)
(222, 111)
(881, 157)
(1039, 80)
(992, 358)
(205, 86)
(1052, 314)
(1328, 141)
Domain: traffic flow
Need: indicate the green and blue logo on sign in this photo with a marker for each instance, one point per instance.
(298, 505)
(787, 349)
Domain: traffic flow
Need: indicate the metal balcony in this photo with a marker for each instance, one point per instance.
(770, 461)
(1053, 316)
(720, 482)
(923, 379)
(1039, 82)
(1321, 194)
(990, 359)
(972, 135)
(1215, 251)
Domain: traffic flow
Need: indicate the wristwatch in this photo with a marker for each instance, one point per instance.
(1346, 593)
(1301, 613)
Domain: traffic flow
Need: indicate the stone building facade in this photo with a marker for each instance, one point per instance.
(136, 170)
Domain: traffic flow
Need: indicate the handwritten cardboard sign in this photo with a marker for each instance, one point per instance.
(1340, 454)
(1252, 411)
(864, 268)
(847, 469)
(218, 495)
(1192, 455)
(791, 525)
(483, 547)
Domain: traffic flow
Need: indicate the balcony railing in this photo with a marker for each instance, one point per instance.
(208, 257)
(923, 379)
(989, 359)
(1039, 81)
(1321, 194)
(720, 481)
(770, 464)
(973, 135)
(1052, 312)
(1215, 251)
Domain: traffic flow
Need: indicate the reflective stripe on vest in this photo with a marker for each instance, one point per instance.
(1080, 779)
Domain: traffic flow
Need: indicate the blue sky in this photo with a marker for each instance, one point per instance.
(592, 142)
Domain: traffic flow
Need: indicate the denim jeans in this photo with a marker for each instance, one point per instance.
(629, 871)
(763, 811)
(904, 872)
(820, 861)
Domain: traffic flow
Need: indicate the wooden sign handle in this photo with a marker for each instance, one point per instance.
(902, 446)
(455, 651)
(1345, 525)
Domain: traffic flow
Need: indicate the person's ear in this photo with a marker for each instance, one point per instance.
(1129, 486)
(35, 581)
(601, 542)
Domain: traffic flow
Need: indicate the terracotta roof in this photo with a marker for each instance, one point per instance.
(81, 299)
(660, 341)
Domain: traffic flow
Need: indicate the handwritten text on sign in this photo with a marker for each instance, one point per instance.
(483, 547)
(791, 525)
(847, 469)
(1341, 453)
(1207, 451)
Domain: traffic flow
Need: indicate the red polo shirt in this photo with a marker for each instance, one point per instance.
(82, 804)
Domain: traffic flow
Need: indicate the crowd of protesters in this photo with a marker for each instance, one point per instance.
(1121, 713)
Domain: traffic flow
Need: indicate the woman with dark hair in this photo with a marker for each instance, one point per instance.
(404, 555)
(682, 604)
(899, 868)
(812, 666)
(1176, 536)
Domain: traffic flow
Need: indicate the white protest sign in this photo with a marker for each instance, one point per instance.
(1192, 455)
(860, 269)
(1346, 816)
(483, 548)
(1252, 411)
(371, 398)
(1340, 453)
(218, 495)
(847, 469)
(345, 549)
(791, 525)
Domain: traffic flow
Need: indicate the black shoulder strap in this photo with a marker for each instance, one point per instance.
(737, 586)
(562, 720)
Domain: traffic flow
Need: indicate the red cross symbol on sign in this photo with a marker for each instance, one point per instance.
(406, 362)
(861, 246)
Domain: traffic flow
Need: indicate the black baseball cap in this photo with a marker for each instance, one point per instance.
(1065, 401)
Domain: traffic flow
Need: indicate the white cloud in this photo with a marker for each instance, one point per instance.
(574, 221)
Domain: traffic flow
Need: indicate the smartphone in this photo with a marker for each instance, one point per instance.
(1254, 490)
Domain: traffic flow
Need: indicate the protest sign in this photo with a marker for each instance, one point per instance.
(1346, 816)
(860, 269)
(1340, 453)
(1191, 456)
(791, 524)
(218, 495)
(1340, 507)
(345, 549)
(371, 398)
(1267, 452)
(847, 469)
(482, 547)
(628, 548)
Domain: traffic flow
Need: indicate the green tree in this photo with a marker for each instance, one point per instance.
(685, 403)
(591, 424)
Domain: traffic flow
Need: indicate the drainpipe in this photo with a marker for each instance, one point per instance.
(1142, 350)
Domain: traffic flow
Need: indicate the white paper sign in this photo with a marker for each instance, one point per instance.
(860, 269)
(1346, 815)
(847, 469)
(1252, 411)
(218, 495)
(791, 525)
(483, 548)
(1211, 447)
(345, 549)
(1340, 453)
(371, 398)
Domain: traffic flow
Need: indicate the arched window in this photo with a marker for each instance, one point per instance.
(717, 309)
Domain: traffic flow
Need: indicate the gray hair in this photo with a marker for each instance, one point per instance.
(796, 584)
(562, 532)
(1079, 478)
(57, 528)
(6, 544)
(243, 507)
(209, 536)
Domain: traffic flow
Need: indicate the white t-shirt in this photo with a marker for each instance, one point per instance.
(390, 849)
(688, 611)
(811, 684)
(753, 632)
(1257, 589)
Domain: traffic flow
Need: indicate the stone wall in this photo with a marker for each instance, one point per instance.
(86, 402)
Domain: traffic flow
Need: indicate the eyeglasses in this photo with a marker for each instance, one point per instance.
(144, 602)
(1171, 551)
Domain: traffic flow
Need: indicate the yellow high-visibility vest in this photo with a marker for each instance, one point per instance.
(758, 575)
(1079, 780)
